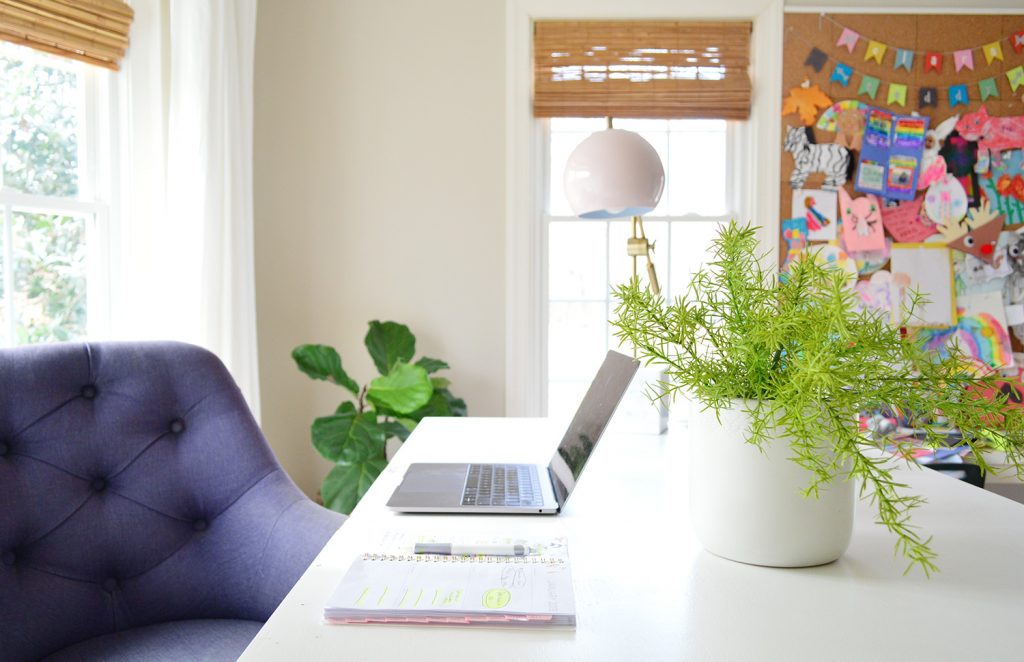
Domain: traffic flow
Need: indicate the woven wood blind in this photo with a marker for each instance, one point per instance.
(93, 31)
(653, 69)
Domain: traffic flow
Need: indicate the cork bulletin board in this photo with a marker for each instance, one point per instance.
(898, 66)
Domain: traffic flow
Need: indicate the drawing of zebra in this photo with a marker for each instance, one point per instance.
(831, 159)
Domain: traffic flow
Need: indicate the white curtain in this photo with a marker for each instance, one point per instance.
(182, 258)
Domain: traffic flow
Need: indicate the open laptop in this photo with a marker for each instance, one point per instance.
(521, 488)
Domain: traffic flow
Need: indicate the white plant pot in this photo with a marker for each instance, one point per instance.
(747, 505)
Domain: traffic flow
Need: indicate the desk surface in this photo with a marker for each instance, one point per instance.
(664, 598)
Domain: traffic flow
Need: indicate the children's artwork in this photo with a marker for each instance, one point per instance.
(927, 268)
(907, 223)
(805, 100)
(862, 222)
(868, 262)
(993, 134)
(890, 157)
(831, 255)
(819, 208)
(876, 292)
(981, 330)
(829, 119)
(794, 232)
(830, 159)
(850, 129)
(1013, 287)
(977, 234)
(961, 157)
(974, 276)
(1004, 186)
(946, 202)
(933, 165)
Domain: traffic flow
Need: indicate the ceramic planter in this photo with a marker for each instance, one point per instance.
(746, 505)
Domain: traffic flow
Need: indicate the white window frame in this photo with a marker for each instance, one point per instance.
(93, 161)
(526, 156)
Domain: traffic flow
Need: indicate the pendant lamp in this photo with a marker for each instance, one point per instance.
(616, 173)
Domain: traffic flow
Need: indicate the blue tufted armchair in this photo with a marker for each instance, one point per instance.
(142, 514)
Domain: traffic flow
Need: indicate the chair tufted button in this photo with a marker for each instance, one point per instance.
(200, 525)
(8, 557)
(5, 448)
(89, 391)
(98, 484)
(110, 585)
(177, 426)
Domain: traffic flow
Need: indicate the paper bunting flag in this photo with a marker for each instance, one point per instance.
(841, 74)
(1016, 77)
(875, 51)
(904, 58)
(987, 88)
(816, 59)
(933, 62)
(848, 38)
(897, 94)
(1017, 41)
(868, 86)
(957, 95)
(993, 51)
(927, 96)
(964, 58)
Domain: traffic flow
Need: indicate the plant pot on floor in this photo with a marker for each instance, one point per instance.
(747, 503)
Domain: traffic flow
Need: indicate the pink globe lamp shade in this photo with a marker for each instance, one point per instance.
(613, 173)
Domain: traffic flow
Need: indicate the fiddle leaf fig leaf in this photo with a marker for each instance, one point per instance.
(347, 407)
(323, 362)
(347, 482)
(348, 437)
(431, 365)
(389, 343)
(404, 389)
(395, 429)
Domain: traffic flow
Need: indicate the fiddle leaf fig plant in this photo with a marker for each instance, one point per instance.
(389, 406)
(809, 359)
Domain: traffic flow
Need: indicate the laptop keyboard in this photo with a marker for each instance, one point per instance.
(502, 485)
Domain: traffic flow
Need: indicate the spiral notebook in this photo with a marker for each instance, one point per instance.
(397, 586)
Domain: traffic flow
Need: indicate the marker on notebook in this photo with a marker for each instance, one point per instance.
(452, 549)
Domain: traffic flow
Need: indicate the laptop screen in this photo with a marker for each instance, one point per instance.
(591, 419)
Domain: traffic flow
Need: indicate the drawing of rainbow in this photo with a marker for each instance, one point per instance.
(984, 338)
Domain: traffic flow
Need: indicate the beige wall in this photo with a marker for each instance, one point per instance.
(379, 194)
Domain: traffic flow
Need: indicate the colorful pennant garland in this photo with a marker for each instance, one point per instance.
(904, 57)
(927, 97)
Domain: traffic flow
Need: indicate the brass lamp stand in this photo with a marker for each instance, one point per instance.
(637, 246)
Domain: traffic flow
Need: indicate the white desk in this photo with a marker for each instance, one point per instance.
(645, 590)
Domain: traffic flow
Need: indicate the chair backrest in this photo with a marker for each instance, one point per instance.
(135, 488)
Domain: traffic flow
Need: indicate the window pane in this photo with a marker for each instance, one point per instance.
(49, 277)
(577, 339)
(696, 173)
(39, 114)
(577, 259)
(691, 243)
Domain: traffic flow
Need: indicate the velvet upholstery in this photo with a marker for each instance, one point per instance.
(136, 489)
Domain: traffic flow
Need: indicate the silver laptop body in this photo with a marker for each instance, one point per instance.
(521, 488)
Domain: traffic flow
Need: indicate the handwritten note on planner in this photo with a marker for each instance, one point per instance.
(433, 589)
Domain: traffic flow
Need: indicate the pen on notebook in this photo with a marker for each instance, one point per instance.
(453, 549)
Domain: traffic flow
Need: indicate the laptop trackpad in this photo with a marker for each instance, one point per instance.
(431, 485)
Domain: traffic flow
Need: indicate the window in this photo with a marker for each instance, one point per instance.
(50, 219)
(585, 258)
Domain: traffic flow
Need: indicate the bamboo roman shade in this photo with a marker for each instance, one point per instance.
(653, 69)
(93, 31)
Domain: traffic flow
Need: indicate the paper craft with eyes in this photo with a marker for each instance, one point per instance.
(976, 234)
(831, 159)
(1013, 288)
(862, 222)
(933, 165)
(993, 134)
